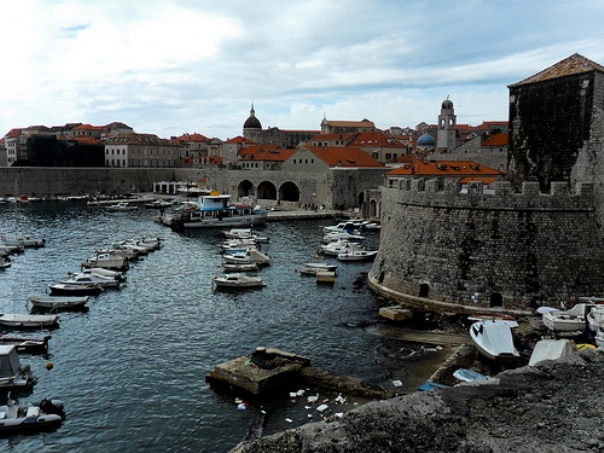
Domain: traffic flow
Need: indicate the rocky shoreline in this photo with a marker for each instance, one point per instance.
(556, 406)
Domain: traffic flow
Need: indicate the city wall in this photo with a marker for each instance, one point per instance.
(336, 188)
(447, 250)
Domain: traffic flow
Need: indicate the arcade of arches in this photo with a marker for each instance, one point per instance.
(266, 190)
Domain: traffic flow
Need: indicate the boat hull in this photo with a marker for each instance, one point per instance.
(59, 302)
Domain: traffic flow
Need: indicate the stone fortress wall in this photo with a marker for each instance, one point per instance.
(481, 250)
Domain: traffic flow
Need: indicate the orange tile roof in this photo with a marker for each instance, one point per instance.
(265, 153)
(496, 140)
(85, 139)
(573, 65)
(425, 167)
(195, 137)
(82, 127)
(349, 157)
(239, 139)
(374, 139)
(484, 180)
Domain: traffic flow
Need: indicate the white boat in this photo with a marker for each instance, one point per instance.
(122, 206)
(111, 261)
(312, 268)
(105, 273)
(27, 345)
(215, 210)
(240, 267)
(550, 349)
(238, 281)
(340, 246)
(357, 255)
(249, 256)
(330, 237)
(80, 278)
(573, 320)
(595, 318)
(350, 226)
(12, 373)
(53, 302)
(31, 418)
(18, 320)
(4, 262)
(23, 241)
(244, 234)
(66, 289)
(493, 339)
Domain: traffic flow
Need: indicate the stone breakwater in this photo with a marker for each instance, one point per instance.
(555, 406)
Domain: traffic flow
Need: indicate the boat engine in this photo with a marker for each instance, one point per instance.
(52, 407)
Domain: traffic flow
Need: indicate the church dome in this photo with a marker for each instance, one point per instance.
(447, 104)
(252, 122)
(426, 140)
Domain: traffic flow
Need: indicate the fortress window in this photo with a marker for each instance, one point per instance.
(496, 300)
(424, 290)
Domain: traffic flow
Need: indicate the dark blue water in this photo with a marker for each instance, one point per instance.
(131, 369)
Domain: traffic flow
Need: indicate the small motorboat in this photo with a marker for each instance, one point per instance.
(66, 289)
(357, 255)
(493, 339)
(247, 257)
(240, 267)
(29, 418)
(105, 273)
(80, 278)
(4, 262)
(23, 241)
(58, 302)
(28, 321)
(334, 236)
(312, 268)
(110, 261)
(340, 246)
(12, 373)
(238, 281)
(122, 206)
(28, 345)
(565, 321)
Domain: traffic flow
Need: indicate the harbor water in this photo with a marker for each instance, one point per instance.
(131, 369)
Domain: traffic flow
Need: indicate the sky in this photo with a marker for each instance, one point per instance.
(196, 66)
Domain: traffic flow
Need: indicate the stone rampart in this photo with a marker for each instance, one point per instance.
(487, 248)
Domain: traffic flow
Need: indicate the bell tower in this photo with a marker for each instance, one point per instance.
(447, 121)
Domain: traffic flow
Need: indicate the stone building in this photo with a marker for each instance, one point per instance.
(288, 139)
(140, 150)
(529, 241)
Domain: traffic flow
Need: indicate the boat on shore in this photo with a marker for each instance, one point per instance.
(215, 210)
(566, 321)
(493, 339)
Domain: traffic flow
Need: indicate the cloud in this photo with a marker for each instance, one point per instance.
(171, 66)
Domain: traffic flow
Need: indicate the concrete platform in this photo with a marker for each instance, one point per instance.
(396, 313)
(276, 370)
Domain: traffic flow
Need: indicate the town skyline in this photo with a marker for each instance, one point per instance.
(175, 67)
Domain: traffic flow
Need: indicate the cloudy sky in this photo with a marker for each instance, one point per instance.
(171, 67)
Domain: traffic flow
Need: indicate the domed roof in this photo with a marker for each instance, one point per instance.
(426, 140)
(252, 122)
(447, 104)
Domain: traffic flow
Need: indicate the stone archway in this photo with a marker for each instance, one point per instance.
(266, 191)
(245, 189)
(289, 192)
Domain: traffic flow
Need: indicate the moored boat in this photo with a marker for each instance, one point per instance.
(312, 268)
(240, 267)
(357, 255)
(66, 289)
(23, 241)
(215, 210)
(12, 373)
(56, 302)
(249, 256)
(30, 418)
(28, 321)
(238, 281)
(122, 206)
(29, 345)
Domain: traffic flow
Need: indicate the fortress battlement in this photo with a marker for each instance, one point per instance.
(498, 196)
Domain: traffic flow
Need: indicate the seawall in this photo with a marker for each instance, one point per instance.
(488, 249)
